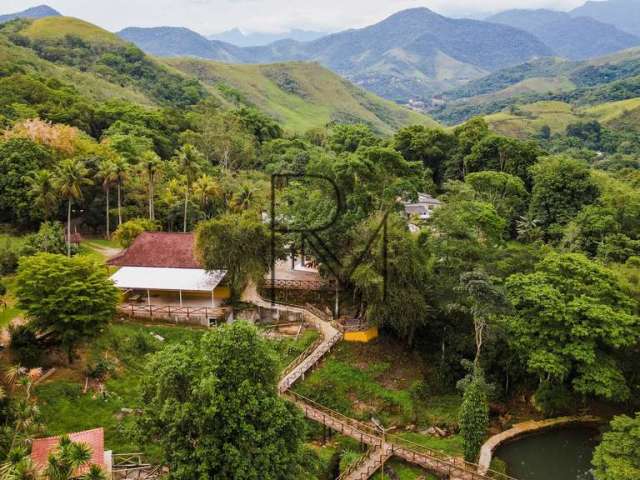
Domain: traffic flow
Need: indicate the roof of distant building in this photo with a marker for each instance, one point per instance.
(94, 439)
(160, 250)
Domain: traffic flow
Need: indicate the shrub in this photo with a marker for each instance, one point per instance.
(553, 399)
(126, 233)
(25, 346)
(9, 257)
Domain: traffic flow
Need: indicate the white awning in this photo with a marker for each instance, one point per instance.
(173, 279)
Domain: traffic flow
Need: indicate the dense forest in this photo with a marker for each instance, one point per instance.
(526, 281)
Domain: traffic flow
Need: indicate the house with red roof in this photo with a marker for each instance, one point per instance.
(41, 448)
(161, 275)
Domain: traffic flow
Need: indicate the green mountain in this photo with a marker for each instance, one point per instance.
(299, 95)
(103, 66)
(575, 38)
(412, 54)
(610, 78)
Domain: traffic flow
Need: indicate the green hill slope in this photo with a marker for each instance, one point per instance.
(300, 95)
(101, 66)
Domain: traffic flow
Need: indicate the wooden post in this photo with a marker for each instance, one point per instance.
(180, 291)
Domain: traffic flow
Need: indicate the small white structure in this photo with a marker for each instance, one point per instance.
(423, 208)
(178, 280)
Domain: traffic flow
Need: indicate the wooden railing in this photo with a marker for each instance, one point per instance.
(176, 313)
(413, 452)
(351, 469)
(127, 460)
(299, 284)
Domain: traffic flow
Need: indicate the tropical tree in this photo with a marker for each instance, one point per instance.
(570, 318)
(206, 190)
(474, 417)
(70, 456)
(190, 161)
(109, 173)
(483, 300)
(122, 169)
(618, 456)
(239, 243)
(68, 299)
(561, 187)
(151, 163)
(213, 409)
(42, 189)
(71, 176)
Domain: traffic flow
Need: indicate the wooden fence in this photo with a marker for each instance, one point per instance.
(204, 316)
(300, 284)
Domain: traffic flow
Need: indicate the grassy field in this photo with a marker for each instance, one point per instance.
(300, 95)
(56, 28)
(529, 119)
(124, 346)
(381, 379)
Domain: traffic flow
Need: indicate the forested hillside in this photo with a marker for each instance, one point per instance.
(100, 65)
(511, 295)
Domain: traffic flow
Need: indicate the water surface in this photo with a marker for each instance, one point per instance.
(563, 454)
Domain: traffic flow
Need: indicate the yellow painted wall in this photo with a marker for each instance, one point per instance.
(362, 337)
(222, 293)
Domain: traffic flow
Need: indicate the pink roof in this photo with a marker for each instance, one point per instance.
(94, 439)
(160, 250)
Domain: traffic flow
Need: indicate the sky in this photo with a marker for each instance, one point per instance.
(213, 16)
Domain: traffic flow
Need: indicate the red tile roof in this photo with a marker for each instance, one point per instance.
(160, 250)
(42, 447)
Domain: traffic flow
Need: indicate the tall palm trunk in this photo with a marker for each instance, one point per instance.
(69, 228)
(152, 210)
(119, 205)
(108, 219)
(186, 207)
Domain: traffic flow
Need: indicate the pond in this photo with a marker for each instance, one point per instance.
(563, 454)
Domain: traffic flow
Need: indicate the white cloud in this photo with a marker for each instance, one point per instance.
(208, 16)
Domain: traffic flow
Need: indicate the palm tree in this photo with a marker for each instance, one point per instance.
(69, 457)
(43, 192)
(151, 163)
(189, 159)
(122, 169)
(71, 176)
(109, 173)
(205, 189)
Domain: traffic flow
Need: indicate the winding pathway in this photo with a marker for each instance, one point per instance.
(437, 463)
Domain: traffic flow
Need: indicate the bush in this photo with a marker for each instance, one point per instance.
(126, 233)
(25, 346)
(50, 238)
(3, 289)
(552, 399)
(9, 257)
(100, 370)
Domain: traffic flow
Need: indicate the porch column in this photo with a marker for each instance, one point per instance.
(148, 297)
(180, 297)
(213, 300)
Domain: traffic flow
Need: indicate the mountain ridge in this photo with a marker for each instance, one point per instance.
(413, 53)
(40, 11)
(573, 37)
